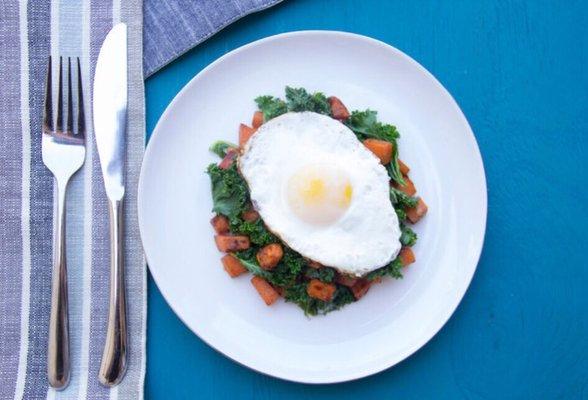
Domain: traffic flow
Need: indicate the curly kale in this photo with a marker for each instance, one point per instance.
(394, 269)
(220, 147)
(401, 199)
(297, 294)
(298, 99)
(271, 106)
(408, 237)
(230, 195)
(324, 274)
(257, 231)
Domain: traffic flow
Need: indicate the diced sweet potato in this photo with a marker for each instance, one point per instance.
(229, 159)
(265, 290)
(228, 243)
(381, 148)
(314, 264)
(408, 186)
(414, 214)
(257, 120)
(320, 290)
(403, 167)
(250, 215)
(360, 288)
(346, 280)
(220, 223)
(338, 109)
(406, 256)
(245, 132)
(269, 256)
(233, 266)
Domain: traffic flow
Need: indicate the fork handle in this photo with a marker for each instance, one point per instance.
(114, 357)
(58, 367)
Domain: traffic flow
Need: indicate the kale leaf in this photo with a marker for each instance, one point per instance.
(401, 199)
(230, 195)
(324, 274)
(298, 99)
(220, 148)
(394, 269)
(271, 106)
(257, 231)
(408, 237)
(311, 306)
(247, 258)
(365, 125)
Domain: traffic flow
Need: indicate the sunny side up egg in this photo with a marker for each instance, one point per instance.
(322, 192)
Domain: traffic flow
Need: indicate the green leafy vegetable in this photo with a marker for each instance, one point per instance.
(247, 258)
(400, 213)
(220, 148)
(311, 306)
(408, 237)
(394, 167)
(230, 195)
(257, 231)
(401, 199)
(365, 125)
(298, 99)
(271, 106)
(323, 274)
(288, 269)
(394, 269)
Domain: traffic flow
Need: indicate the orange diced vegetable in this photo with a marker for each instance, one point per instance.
(360, 288)
(220, 223)
(233, 266)
(245, 132)
(269, 256)
(320, 290)
(403, 167)
(345, 280)
(228, 243)
(408, 186)
(257, 119)
(250, 215)
(265, 290)
(381, 148)
(229, 158)
(406, 256)
(414, 214)
(338, 109)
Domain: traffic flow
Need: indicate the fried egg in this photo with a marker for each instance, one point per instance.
(322, 192)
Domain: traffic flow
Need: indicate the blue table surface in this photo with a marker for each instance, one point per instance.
(519, 71)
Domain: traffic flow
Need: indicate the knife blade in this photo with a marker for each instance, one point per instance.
(110, 109)
(110, 124)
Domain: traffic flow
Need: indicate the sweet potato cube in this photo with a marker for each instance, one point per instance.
(414, 214)
(338, 109)
(381, 148)
(269, 256)
(233, 266)
(229, 243)
(220, 223)
(408, 186)
(250, 215)
(404, 169)
(320, 290)
(265, 290)
(257, 120)
(245, 132)
(229, 159)
(360, 288)
(406, 256)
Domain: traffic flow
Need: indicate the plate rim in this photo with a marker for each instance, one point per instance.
(410, 350)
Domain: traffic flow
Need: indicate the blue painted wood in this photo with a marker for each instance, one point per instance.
(519, 70)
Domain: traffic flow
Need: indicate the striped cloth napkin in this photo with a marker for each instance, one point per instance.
(29, 32)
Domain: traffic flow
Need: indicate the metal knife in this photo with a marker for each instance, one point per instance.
(110, 126)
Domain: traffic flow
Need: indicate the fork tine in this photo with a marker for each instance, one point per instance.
(48, 107)
(69, 99)
(81, 115)
(60, 99)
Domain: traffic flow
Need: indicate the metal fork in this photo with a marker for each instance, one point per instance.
(63, 154)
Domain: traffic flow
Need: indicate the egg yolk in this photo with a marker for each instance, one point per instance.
(319, 194)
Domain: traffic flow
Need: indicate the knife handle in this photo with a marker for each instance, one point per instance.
(58, 367)
(114, 357)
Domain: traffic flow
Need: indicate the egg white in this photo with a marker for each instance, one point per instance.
(366, 236)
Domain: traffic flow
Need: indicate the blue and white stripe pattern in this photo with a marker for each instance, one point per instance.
(31, 30)
(29, 33)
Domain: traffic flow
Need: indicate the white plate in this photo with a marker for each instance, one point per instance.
(395, 318)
